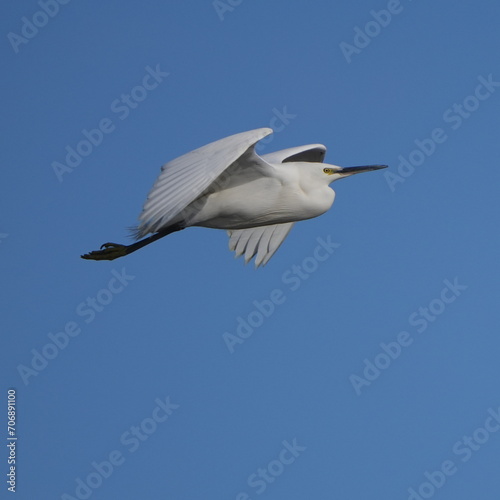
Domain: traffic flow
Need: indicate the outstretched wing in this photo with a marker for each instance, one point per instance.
(314, 153)
(262, 241)
(184, 179)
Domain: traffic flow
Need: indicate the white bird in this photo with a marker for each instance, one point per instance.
(227, 185)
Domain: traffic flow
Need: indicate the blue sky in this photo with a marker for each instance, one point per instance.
(372, 373)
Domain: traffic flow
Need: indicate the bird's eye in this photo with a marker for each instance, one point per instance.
(327, 170)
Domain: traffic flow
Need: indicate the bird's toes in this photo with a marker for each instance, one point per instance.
(109, 251)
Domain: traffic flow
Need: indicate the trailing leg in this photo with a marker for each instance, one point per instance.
(112, 251)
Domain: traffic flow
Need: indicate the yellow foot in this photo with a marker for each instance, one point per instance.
(111, 252)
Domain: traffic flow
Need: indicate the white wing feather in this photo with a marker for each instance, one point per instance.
(262, 241)
(184, 179)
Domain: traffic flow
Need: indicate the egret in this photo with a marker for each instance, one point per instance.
(227, 185)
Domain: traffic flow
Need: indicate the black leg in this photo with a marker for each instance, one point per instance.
(112, 251)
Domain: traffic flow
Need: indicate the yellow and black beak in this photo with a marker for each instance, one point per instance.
(359, 170)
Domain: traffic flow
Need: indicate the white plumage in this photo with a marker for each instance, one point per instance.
(227, 185)
(184, 179)
(261, 240)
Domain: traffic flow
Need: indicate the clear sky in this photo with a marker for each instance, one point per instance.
(361, 362)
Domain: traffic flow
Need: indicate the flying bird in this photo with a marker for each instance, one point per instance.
(227, 185)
